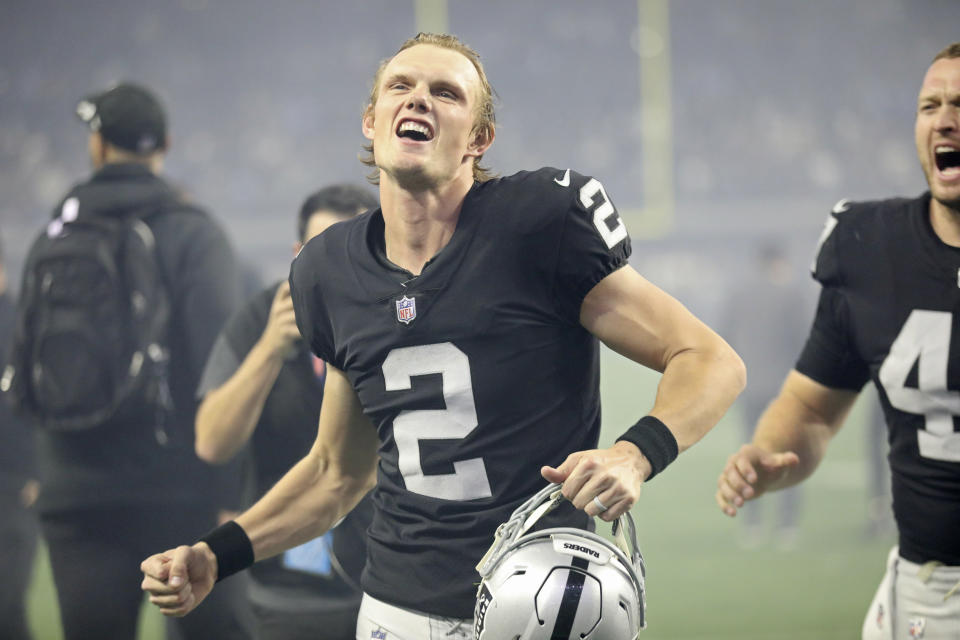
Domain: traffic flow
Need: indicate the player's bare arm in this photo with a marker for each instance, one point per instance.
(318, 491)
(790, 441)
(702, 376)
(229, 414)
(324, 486)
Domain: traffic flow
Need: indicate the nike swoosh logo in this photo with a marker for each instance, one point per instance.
(565, 180)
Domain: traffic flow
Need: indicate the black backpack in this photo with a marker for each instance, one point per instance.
(91, 343)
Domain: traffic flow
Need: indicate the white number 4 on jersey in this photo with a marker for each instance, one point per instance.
(924, 340)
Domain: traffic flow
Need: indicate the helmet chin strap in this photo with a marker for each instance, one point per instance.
(556, 497)
(524, 517)
(625, 535)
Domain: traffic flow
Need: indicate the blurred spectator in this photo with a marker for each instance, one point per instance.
(18, 492)
(129, 480)
(762, 323)
(263, 385)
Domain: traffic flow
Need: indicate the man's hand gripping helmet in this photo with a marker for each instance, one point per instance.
(559, 583)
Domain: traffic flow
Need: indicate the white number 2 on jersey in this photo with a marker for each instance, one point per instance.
(469, 478)
(925, 340)
(602, 213)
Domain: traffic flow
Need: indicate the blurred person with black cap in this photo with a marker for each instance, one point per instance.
(18, 492)
(111, 493)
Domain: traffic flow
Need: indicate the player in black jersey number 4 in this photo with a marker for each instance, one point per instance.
(460, 324)
(888, 311)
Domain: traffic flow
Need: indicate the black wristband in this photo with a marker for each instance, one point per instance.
(655, 441)
(231, 546)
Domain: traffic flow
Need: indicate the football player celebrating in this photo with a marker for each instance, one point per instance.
(460, 324)
(890, 301)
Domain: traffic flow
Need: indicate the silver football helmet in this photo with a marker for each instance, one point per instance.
(559, 583)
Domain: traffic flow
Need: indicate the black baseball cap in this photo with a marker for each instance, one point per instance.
(127, 116)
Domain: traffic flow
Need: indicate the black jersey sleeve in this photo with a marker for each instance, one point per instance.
(593, 243)
(308, 304)
(236, 339)
(829, 355)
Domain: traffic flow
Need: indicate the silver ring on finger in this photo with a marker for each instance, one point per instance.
(599, 505)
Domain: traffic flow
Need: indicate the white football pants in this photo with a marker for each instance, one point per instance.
(381, 621)
(915, 601)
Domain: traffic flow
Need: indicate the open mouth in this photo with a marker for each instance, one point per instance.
(947, 158)
(415, 131)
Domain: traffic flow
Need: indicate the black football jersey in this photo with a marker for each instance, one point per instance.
(889, 311)
(475, 373)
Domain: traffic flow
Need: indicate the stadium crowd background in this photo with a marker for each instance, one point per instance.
(715, 125)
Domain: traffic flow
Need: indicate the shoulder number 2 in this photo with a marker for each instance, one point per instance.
(604, 215)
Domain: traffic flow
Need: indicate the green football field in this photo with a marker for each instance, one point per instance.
(700, 582)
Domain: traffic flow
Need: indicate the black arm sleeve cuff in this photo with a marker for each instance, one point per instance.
(231, 546)
(655, 440)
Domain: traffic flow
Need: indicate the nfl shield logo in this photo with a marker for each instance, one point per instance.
(406, 309)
